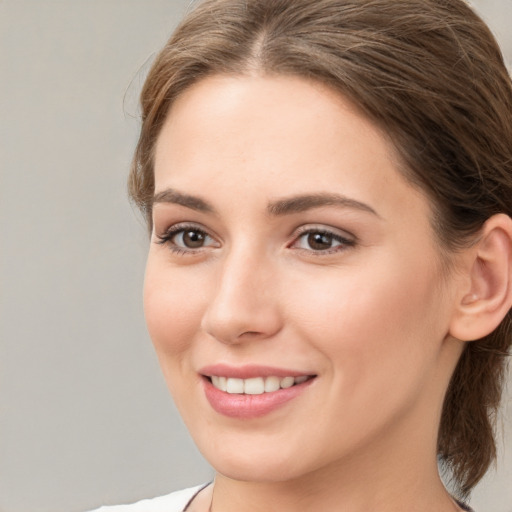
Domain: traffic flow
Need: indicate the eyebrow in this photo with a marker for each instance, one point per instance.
(278, 207)
(174, 197)
(305, 202)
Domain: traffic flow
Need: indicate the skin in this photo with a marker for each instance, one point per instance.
(370, 317)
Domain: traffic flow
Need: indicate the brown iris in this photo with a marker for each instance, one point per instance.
(319, 241)
(193, 239)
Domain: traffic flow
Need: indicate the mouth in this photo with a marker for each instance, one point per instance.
(255, 385)
(252, 391)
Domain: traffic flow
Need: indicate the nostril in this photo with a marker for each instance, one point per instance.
(250, 334)
(232, 319)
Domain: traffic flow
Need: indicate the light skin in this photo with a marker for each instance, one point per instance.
(284, 235)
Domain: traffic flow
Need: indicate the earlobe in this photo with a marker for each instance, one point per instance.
(487, 294)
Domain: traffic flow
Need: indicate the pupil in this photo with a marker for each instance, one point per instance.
(319, 241)
(193, 239)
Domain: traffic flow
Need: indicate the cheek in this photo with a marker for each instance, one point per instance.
(377, 325)
(173, 309)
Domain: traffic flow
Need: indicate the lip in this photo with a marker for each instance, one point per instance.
(242, 406)
(250, 371)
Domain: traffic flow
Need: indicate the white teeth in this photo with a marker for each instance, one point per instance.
(255, 385)
(223, 383)
(272, 384)
(235, 386)
(287, 382)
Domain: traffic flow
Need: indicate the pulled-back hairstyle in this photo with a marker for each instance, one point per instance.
(431, 75)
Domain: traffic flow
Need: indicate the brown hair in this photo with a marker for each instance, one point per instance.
(431, 75)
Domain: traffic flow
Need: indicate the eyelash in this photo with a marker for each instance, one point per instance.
(344, 242)
(167, 239)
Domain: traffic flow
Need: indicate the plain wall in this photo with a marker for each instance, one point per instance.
(85, 417)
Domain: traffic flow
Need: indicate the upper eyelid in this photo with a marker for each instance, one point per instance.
(345, 239)
(297, 232)
(320, 228)
(166, 239)
(181, 226)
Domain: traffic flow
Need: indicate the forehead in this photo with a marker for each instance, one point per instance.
(296, 134)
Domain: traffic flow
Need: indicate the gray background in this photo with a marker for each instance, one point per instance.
(85, 415)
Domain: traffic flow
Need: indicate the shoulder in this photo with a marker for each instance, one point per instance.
(174, 502)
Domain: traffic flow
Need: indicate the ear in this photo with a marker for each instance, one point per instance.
(486, 294)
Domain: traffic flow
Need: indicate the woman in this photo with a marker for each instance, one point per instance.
(328, 188)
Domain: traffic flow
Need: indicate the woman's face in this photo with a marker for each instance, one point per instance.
(287, 249)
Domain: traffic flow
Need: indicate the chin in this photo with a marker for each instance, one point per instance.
(262, 460)
(271, 471)
(254, 461)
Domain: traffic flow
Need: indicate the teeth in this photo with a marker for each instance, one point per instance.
(235, 386)
(272, 384)
(287, 382)
(223, 383)
(255, 385)
(220, 382)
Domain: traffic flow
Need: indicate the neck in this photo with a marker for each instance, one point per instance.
(349, 495)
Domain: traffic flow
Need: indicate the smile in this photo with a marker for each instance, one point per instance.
(255, 385)
(252, 391)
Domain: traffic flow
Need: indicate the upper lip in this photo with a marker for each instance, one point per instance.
(249, 371)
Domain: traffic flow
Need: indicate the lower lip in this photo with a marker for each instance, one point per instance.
(250, 406)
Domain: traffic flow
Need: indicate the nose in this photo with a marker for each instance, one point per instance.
(244, 304)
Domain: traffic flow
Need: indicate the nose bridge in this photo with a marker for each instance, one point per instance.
(244, 300)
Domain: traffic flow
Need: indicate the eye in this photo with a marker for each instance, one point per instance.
(190, 239)
(322, 241)
(183, 239)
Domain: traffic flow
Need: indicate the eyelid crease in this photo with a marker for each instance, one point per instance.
(327, 230)
(338, 238)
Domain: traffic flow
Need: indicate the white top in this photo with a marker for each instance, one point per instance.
(174, 502)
